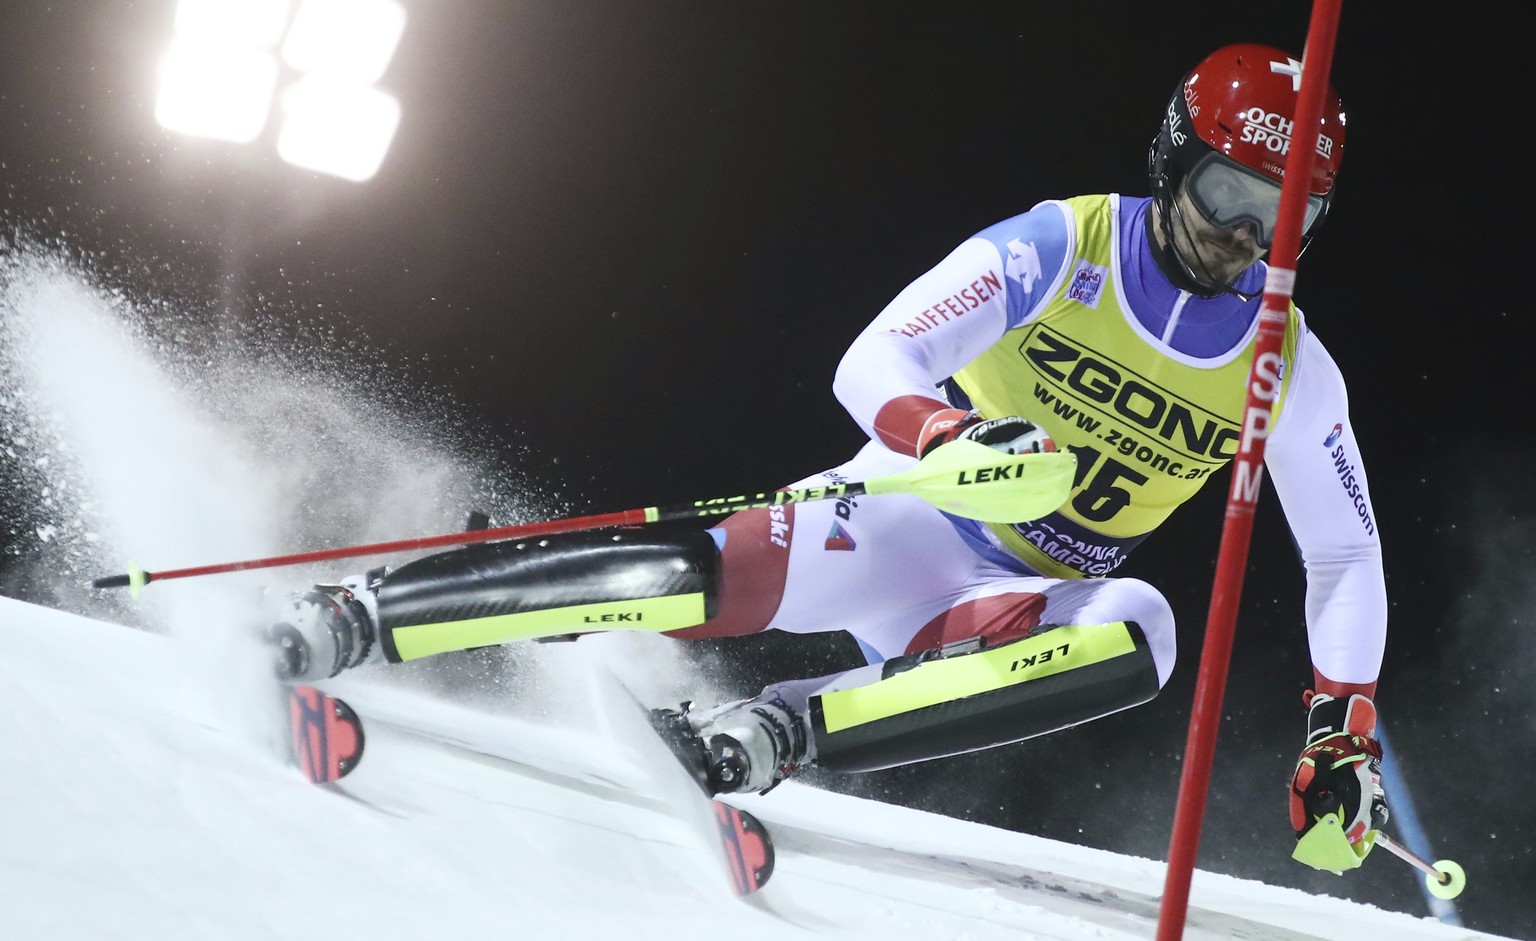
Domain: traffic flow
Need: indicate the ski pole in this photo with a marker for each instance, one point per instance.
(1445, 878)
(962, 477)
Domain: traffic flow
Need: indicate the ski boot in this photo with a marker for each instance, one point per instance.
(325, 631)
(744, 746)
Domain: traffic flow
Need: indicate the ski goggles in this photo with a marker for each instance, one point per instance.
(1228, 193)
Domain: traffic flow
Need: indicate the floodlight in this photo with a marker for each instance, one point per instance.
(217, 92)
(349, 39)
(336, 127)
(254, 24)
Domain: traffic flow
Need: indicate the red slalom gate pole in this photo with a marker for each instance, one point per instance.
(1247, 474)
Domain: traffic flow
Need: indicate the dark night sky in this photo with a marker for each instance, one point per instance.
(634, 238)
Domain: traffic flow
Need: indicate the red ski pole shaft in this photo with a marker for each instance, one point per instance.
(964, 477)
(526, 530)
(653, 514)
(1247, 476)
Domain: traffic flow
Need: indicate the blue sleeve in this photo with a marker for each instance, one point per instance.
(1033, 246)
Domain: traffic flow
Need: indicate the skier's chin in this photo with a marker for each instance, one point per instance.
(1226, 262)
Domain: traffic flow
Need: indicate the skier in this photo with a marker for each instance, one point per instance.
(1121, 328)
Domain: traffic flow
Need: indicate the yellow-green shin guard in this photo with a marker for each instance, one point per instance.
(936, 705)
(574, 583)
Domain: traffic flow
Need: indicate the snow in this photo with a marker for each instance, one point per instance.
(145, 798)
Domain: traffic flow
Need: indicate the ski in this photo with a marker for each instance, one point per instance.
(747, 847)
(739, 840)
(325, 735)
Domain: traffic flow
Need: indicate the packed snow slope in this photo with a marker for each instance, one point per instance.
(145, 798)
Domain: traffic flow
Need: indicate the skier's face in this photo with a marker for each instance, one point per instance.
(1217, 253)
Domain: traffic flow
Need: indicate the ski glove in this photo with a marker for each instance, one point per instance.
(1337, 803)
(1010, 435)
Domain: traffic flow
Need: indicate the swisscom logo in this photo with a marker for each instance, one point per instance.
(1343, 466)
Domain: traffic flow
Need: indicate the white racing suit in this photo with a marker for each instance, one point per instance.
(981, 634)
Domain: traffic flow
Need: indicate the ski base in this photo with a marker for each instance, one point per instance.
(325, 735)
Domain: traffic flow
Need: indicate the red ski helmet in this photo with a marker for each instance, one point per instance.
(1227, 130)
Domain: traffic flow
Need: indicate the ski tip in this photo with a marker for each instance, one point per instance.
(325, 735)
(749, 848)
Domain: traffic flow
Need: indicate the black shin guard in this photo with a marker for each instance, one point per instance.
(936, 706)
(629, 579)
